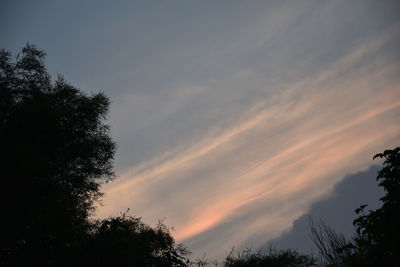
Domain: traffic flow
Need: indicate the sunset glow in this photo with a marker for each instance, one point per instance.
(232, 119)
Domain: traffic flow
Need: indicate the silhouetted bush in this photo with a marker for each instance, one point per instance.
(334, 249)
(269, 258)
(126, 241)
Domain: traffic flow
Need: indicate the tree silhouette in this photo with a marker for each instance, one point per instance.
(126, 241)
(56, 150)
(378, 232)
(333, 247)
(376, 242)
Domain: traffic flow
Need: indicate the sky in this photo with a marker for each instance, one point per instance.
(336, 211)
(233, 119)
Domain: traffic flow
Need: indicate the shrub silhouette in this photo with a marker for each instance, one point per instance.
(334, 249)
(126, 241)
(269, 258)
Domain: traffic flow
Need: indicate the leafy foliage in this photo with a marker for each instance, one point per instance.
(56, 152)
(378, 231)
(269, 258)
(126, 241)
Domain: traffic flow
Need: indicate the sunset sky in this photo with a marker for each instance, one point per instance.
(232, 118)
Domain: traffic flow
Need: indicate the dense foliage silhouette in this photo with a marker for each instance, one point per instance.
(126, 241)
(270, 258)
(56, 152)
(378, 231)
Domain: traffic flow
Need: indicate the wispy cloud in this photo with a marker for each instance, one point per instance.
(258, 175)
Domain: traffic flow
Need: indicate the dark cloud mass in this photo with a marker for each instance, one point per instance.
(336, 210)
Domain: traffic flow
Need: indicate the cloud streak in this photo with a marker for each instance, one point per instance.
(278, 158)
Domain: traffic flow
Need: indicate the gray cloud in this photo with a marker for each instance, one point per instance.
(336, 210)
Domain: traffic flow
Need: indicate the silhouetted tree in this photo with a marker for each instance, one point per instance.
(376, 242)
(56, 151)
(335, 250)
(126, 241)
(378, 231)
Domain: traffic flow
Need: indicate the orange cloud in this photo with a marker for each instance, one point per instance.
(281, 156)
